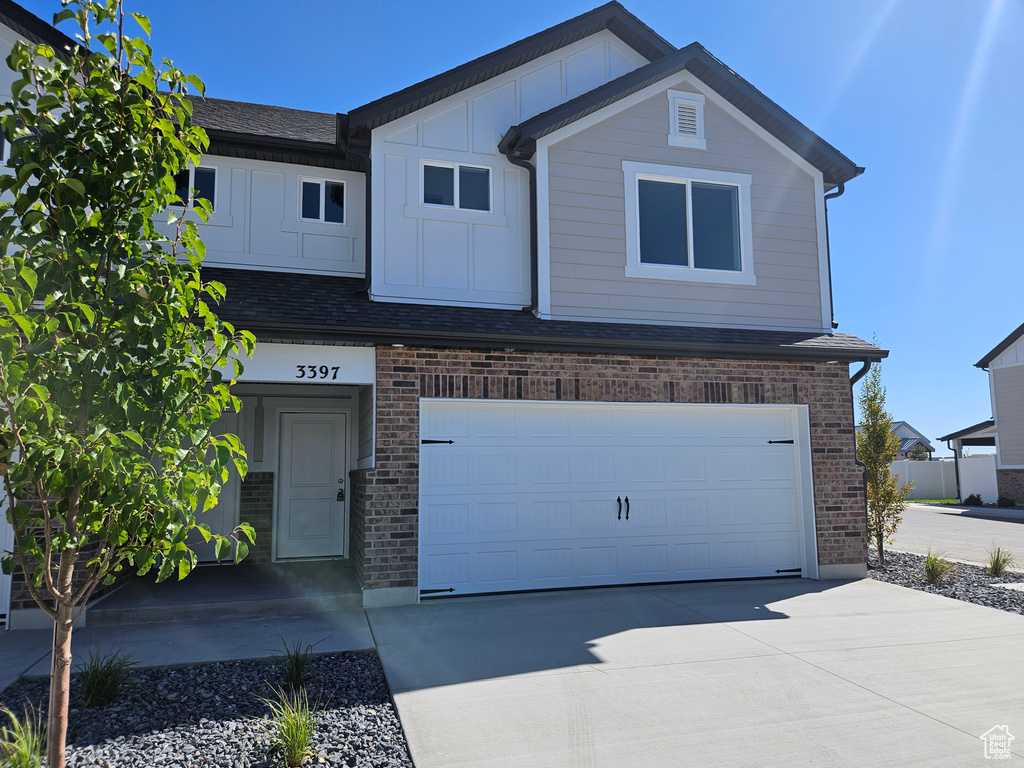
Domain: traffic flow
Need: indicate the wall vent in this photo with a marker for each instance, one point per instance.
(686, 119)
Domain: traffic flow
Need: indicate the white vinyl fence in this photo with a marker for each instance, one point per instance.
(937, 479)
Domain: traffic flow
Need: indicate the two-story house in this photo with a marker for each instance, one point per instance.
(558, 317)
(1004, 364)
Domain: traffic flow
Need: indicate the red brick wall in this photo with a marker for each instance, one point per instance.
(1010, 483)
(384, 513)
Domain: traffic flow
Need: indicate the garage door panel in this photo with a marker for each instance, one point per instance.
(527, 495)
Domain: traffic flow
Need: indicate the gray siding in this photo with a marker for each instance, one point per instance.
(1008, 388)
(588, 236)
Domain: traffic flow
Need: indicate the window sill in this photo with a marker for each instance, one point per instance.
(689, 275)
(460, 215)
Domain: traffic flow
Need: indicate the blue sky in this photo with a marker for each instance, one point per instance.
(925, 94)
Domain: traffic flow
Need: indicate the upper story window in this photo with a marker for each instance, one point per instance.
(202, 180)
(322, 200)
(454, 185)
(688, 224)
(686, 119)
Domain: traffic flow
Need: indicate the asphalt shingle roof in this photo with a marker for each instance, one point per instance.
(318, 307)
(263, 120)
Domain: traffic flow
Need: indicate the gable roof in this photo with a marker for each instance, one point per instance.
(1001, 347)
(334, 308)
(31, 27)
(906, 443)
(834, 166)
(611, 16)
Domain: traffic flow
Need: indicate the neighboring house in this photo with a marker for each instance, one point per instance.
(909, 438)
(574, 329)
(1005, 430)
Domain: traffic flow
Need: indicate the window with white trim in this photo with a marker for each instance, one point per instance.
(687, 224)
(686, 119)
(195, 183)
(454, 185)
(322, 200)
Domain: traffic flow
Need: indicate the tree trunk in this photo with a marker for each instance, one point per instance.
(881, 551)
(60, 688)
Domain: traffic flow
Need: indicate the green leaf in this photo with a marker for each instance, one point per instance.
(144, 22)
(222, 548)
(76, 185)
(241, 550)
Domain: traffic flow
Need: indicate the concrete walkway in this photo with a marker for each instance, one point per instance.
(191, 642)
(963, 533)
(784, 673)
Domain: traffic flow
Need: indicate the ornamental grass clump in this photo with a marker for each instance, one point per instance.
(291, 725)
(104, 677)
(936, 567)
(22, 742)
(999, 561)
(294, 664)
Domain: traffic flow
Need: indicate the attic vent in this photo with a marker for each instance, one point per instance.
(686, 119)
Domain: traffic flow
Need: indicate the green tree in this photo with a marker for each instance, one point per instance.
(876, 448)
(111, 357)
(918, 453)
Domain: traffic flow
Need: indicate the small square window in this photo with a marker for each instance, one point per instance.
(202, 180)
(322, 200)
(457, 186)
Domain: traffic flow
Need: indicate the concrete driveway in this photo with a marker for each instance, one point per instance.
(782, 673)
(964, 533)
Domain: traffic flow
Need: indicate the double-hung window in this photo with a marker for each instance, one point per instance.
(687, 224)
(202, 180)
(322, 200)
(453, 185)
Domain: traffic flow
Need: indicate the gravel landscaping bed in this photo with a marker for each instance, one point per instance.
(967, 582)
(210, 716)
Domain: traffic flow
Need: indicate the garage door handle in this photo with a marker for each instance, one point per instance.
(627, 507)
(620, 507)
(780, 442)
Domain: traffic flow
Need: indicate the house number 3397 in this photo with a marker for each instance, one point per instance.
(317, 372)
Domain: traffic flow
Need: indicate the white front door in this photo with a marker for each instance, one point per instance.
(312, 519)
(552, 495)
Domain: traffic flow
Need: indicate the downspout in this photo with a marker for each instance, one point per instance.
(828, 260)
(343, 142)
(508, 149)
(863, 469)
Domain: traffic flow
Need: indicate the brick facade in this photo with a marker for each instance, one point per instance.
(256, 507)
(384, 499)
(1010, 483)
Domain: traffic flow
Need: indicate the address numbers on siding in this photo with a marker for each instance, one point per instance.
(322, 372)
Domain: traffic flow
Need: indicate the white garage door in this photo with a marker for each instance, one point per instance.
(526, 495)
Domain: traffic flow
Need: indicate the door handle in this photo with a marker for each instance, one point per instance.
(341, 494)
(620, 507)
(627, 507)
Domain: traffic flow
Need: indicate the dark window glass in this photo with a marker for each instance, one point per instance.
(474, 188)
(334, 204)
(181, 187)
(311, 200)
(716, 226)
(662, 222)
(206, 185)
(438, 185)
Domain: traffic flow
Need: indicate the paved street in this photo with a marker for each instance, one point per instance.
(964, 533)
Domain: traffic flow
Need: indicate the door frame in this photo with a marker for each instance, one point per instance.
(274, 407)
(799, 414)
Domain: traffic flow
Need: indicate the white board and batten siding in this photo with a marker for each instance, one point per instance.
(1006, 383)
(256, 223)
(533, 495)
(445, 255)
(586, 237)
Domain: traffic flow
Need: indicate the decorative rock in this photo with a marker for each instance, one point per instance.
(211, 716)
